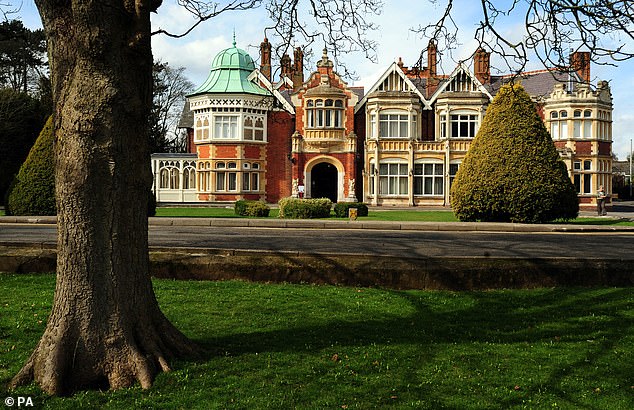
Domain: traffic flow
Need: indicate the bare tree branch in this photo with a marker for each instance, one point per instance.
(204, 10)
(552, 29)
(340, 25)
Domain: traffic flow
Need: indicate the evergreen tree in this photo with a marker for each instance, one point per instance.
(21, 119)
(512, 171)
(33, 191)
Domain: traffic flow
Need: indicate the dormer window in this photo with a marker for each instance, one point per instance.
(324, 113)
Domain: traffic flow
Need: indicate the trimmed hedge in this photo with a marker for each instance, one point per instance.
(295, 208)
(512, 171)
(251, 208)
(33, 189)
(341, 209)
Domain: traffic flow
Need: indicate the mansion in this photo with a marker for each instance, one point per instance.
(399, 143)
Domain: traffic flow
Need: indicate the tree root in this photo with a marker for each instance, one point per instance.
(67, 361)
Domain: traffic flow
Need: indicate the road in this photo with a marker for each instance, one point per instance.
(369, 242)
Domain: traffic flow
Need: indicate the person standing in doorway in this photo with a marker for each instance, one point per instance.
(601, 198)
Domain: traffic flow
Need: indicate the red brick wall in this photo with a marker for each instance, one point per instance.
(252, 151)
(190, 147)
(226, 151)
(583, 147)
(605, 148)
(540, 110)
(204, 151)
(280, 127)
(560, 144)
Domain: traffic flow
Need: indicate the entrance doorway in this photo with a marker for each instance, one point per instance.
(324, 181)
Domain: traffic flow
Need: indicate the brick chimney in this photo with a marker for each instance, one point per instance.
(287, 70)
(432, 57)
(298, 68)
(265, 58)
(580, 62)
(482, 66)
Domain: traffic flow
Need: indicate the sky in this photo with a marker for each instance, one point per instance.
(394, 38)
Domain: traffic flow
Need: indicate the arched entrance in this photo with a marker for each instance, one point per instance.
(323, 182)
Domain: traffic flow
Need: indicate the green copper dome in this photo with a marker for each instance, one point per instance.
(229, 72)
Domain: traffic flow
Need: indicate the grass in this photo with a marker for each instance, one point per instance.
(310, 347)
(413, 215)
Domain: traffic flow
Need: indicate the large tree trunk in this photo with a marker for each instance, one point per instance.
(105, 329)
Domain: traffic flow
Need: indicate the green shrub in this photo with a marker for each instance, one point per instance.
(33, 190)
(295, 208)
(512, 171)
(341, 209)
(251, 208)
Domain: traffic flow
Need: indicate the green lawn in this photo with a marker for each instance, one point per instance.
(407, 215)
(311, 347)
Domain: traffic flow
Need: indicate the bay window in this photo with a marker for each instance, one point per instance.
(393, 125)
(225, 127)
(324, 113)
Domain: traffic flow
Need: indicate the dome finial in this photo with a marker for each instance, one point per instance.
(234, 36)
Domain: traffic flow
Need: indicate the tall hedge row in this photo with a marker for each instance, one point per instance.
(33, 189)
(512, 171)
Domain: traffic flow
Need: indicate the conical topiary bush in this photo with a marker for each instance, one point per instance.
(512, 171)
(33, 190)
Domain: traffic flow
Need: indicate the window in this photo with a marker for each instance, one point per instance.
(324, 113)
(372, 133)
(428, 179)
(165, 178)
(220, 181)
(201, 129)
(226, 181)
(559, 125)
(587, 128)
(443, 126)
(393, 126)
(250, 180)
(582, 179)
(587, 184)
(453, 170)
(233, 181)
(563, 124)
(226, 127)
(189, 178)
(464, 125)
(253, 128)
(587, 165)
(393, 179)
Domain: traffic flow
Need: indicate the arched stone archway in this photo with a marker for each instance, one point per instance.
(324, 178)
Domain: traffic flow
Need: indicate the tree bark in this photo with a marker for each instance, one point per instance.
(105, 328)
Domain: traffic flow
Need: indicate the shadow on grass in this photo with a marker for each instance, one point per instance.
(596, 320)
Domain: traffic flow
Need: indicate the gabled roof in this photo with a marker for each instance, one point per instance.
(538, 83)
(461, 68)
(187, 117)
(393, 68)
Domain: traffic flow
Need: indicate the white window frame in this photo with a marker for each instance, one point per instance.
(472, 123)
(226, 126)
(396, 123)
(432, 172)
(393, 178)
